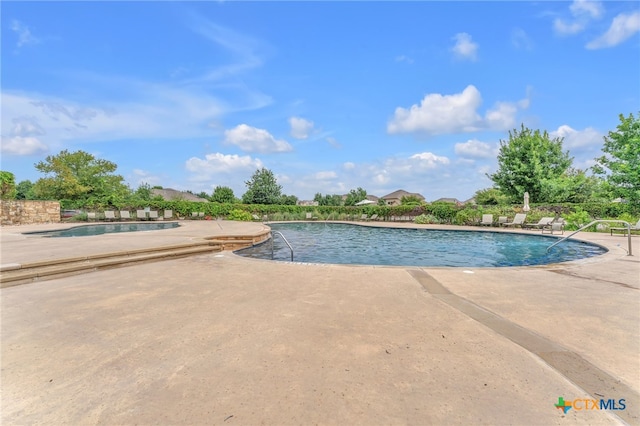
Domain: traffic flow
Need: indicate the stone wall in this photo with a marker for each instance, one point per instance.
(24, 212)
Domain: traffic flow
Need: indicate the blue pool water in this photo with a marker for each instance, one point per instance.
(108, 228)
(316, 242)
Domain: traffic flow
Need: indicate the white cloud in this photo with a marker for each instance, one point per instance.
(573, 139)
(300, 128)
(521, 40)
(23, 145)
(348, 165)
(333, 142)
(141, 176)
(403, 58)
(465, 48)
(593, 9)
(475, 149)
(325, 175)
(157, 112)
(251, 139)
(24, 34)
(582, 12)
(438, 114)
(428, 160)
(217, 163)
(622, 28)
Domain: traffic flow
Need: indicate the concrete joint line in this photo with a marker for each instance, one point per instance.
(593, 380)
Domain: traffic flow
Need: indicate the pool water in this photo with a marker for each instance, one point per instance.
(108, 228)
(316, 242)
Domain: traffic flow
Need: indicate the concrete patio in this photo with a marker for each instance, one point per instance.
(220, 339)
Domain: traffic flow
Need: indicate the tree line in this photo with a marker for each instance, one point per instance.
(529, 160)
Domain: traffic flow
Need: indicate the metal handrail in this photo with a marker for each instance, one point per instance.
(284, 239)
(628, 226)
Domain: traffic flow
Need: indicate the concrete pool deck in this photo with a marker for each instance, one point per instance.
(221, 339)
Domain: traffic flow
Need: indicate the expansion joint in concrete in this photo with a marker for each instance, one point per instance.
(593, 380)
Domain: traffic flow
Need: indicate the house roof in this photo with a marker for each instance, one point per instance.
(401, 193)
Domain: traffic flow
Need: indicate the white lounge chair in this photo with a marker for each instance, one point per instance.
(167, 214)
(518, 220)
(125, 214)
(502, 220)
(310, 216)
(141, 214)
(153, 215)
(541, 223)
(556, 226)
(487, 219)
(635, 227)
(91, 216)
(109, 215)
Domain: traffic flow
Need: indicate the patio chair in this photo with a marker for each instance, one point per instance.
(541, 223)
(374, 217)
(487, 219)
(502, 220)
(635, 227)
(125, 215)
(91, 216)
(167, 214)
(364, 216)
(310, 216)
(153, 215)
(109, 215)
(556, 226)
(141, 214)
(518, 220)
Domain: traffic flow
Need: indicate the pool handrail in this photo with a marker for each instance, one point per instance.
(628, 226)
(284, 239)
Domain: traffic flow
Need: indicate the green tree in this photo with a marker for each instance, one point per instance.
(328, 200)
(526, 160)
(355, 196)
(223, 194)
(24, 190)
(262, 188)
(621, 160)
(490, 196)
(288, 200)
(574, 186)
(81, 177)
(7, 186)
(408, 200)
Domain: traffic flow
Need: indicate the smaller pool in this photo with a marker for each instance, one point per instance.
(106, 228)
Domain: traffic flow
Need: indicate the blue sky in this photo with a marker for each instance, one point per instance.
(330, 96)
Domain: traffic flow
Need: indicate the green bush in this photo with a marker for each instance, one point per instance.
(241, 215)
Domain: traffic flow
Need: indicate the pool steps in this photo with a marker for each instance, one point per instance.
(12, 274)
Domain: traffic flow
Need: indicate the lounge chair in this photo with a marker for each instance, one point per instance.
(635, 227)
(374, 217)
(487, 219)
(125, 214)
(310, 216)
(153, 215)
(141, 214)
(502, 220)
(168, 214)
(556, 226)
(91, 216)
(541, 223)
(109, 215)
(518, 220)
(364, 216)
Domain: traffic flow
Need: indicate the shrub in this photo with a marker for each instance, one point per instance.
(237, 214)
(425, 219)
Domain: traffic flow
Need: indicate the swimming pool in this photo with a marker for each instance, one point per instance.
(339, 243)
(107, 228)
